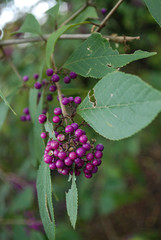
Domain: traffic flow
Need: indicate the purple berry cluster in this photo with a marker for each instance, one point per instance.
(72, 150)
(26, 116)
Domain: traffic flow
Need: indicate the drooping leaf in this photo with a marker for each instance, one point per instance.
(89, 12)
(30, 25)
(154, 7)
(95, 58)
(53, 11)
(4, 106)
(53, 39)
(35, 111)
(72, 202)
(44, 190)
(120, 105)
(49, 128)
(7, 102)
(23, 200)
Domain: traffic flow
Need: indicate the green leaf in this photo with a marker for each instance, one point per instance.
(53, 11)
(4, 108)
(154, 7)
(44, 190)
(120, 105)
(49, 128)
(7, 102)
(89, 12)
(30, 25)
(23, 200)
(95, 58)
(72, 202)
(35, 111)
(53, 39)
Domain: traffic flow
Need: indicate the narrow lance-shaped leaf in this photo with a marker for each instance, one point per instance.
(95, 58)
(44, 190)
(72, 202)
(30, 25)
(89, 12)
(49, 128)
(154, 7)
(7, 101)
(53, 11)
(120, 105)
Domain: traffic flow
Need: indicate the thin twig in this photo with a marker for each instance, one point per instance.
(114, 38)
(103, 23)
(75, 14)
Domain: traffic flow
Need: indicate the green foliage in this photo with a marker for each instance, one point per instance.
(88, 13)
(22, 201)
(7, 102)
(30, 25)
(72, 202)
(122, 106)
(95, 58)
(35, 111)
(49, 128)
(53, 12)
(155, 9)
(44, 190)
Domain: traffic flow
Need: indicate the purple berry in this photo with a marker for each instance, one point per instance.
(87, 146)
(25, 78)
(54, 144)
(65, 101)
(80, 152)
(99, 147)
(52, 88)
(98, 154)
(69, 129)
(28, 117)
(79, 162)
(72, 155)
(103, 11)
(83, 139)
(72, 75)
(65, 171)
(55, 78)
(95, 169)
(36, 76)
(56, 133)
(75, 126)
(49, 97)
(62, 155)
(44, 111)
(37, 85)
(79, 132)
(26, 111)
(68, 161)
(96, 162)
(61, 137)
(77, 100)
(52, 166)
(89, 156)
(57, 111)
(71, 99)
(88, 175)
(56, 151)
(48, 148)
(86, 171)
(42, 118)
(49, 72)
(23, 118)
(67, 79)
(56, 119)
(48, 159)
(44, 82)
(89, 166)
(59, 164)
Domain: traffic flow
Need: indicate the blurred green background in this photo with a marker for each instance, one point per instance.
(122, 201)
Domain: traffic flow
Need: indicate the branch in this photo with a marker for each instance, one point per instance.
(75, 14)
(114, 38)
(103, 23)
